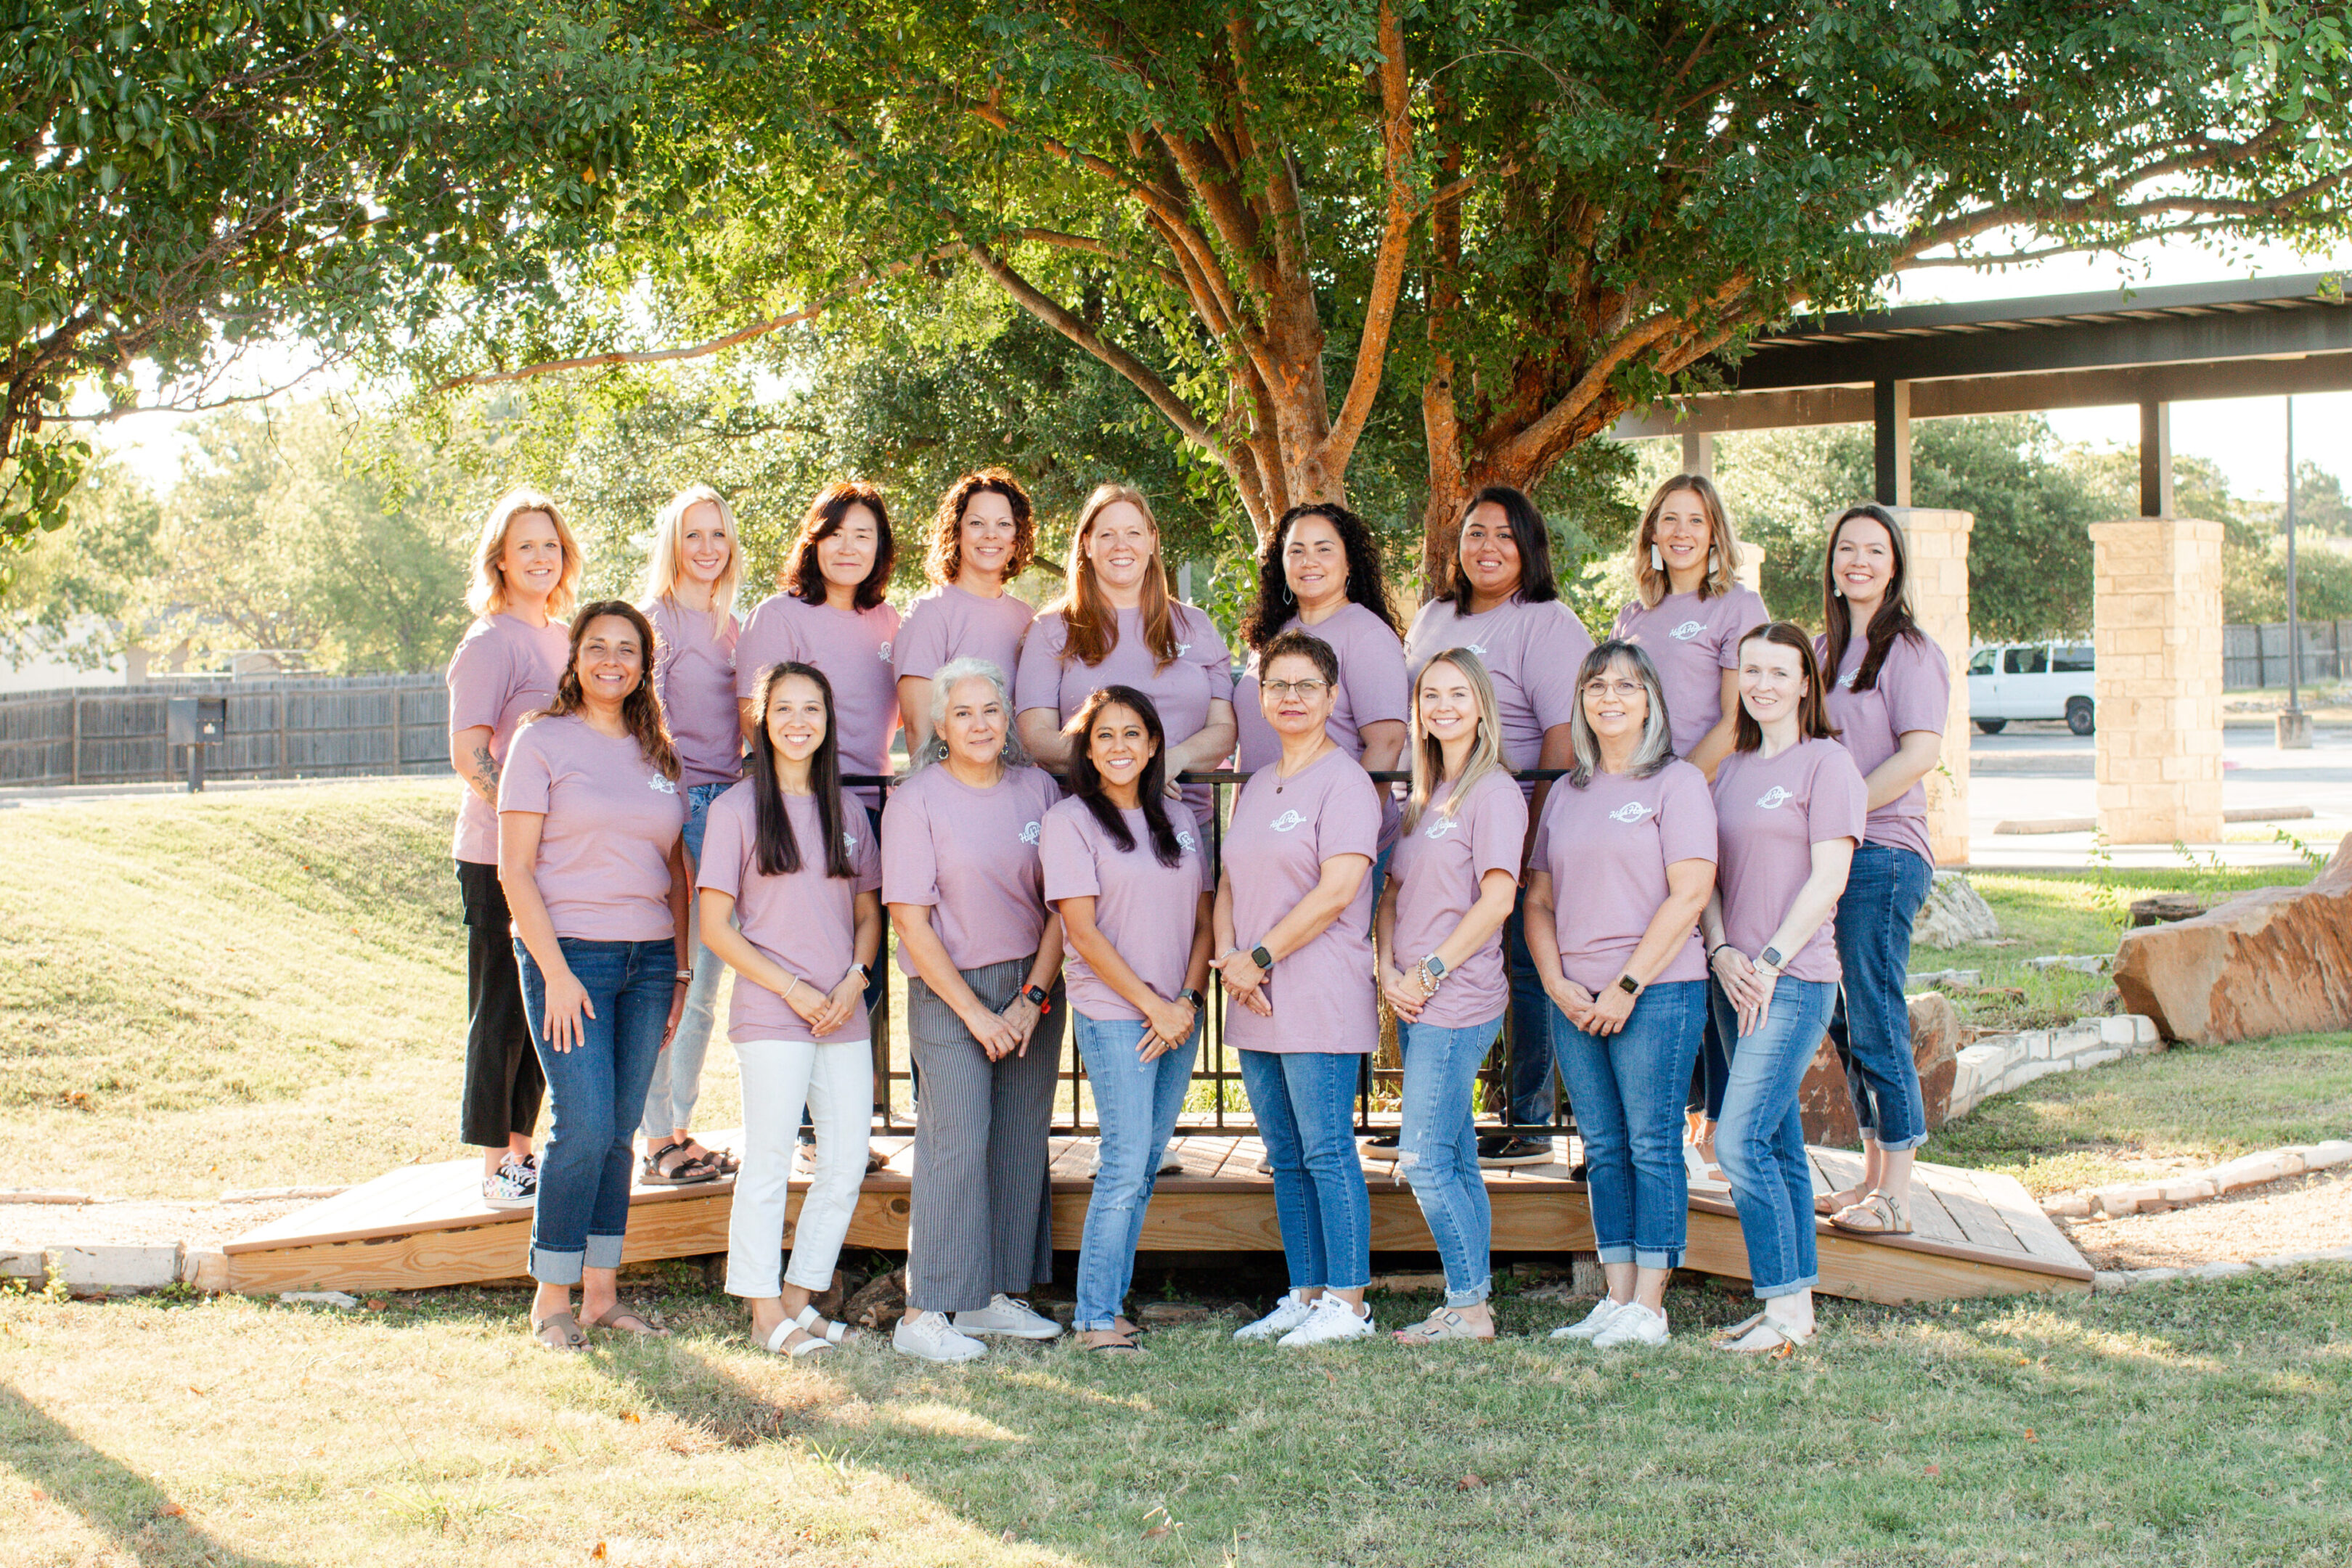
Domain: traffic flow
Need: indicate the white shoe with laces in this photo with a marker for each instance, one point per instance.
(1010, 1318)
(932, 1338)
(1633, 1324)
(1594, 1321)
(1330, 1321)
(1288, 1314)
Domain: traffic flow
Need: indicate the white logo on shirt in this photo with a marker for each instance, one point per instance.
(1185, 841)
(1287, 821)
(1847, 679)
(1030, 833)
(1773, 799)
(1687, 631)
(882, 652)
(1182, 649)
(662, 784)
(1474, 648)
(849, 839)
(1632, 811)
(1439, 828)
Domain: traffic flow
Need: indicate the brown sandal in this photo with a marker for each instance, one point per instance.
(558, 1331)
(1876, 1215)
(618, 1318)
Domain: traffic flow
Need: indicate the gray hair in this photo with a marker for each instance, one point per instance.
(946, 678)
(1657, 744)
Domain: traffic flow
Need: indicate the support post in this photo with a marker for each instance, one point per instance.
(1698, 453)
(2156, 628)
(2295, 724)
(76, 739)
(2155, 460)
(1938, 572)
(1890, 412)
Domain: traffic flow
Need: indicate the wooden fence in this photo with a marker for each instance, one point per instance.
(2255, 655)
(291, 727)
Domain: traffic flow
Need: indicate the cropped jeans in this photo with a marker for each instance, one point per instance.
(1137, 1103)
(1760, 1142)
(1437, 1150)
(1629, 1089)
(1305, 1104)
(1529, 1089)
(678, 1078)
(1872, 1024)
(595, 1092)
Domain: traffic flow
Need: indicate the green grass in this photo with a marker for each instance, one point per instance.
(2182, 1425)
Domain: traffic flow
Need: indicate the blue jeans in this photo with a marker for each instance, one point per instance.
(1713, 1071)
(595, 1092)
(1629, 1089)
(1136, 1104)
(1529, 1084)
(1305, 1105)
(1760, 1142)
(678, 1078)
(1437, 1150)
(1872, 1026)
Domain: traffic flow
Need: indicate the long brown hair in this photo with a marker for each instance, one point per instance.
(944, 559)
(1894, 618)
(1537, 585)
(805, 580)
(1813, 709)
(1093, 624)
(778, 850)
(1652, 583)
(1150, 785)
(641, 709)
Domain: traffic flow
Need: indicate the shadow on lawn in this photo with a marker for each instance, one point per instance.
(138, 1516)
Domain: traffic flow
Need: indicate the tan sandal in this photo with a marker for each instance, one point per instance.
(1876, 1215)
(618, 1317)
(1828, 1204)
(1776, 1342)
(558, 1331)
(1724, 1336)
(1445, 1323)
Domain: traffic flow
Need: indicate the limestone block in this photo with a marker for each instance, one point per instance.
(2155, 1276)
(1954, 914)
(22, 1263)
(2247, 1171)
(99, 1270)
(2144, 1031)
(2277, 961)
(2067, 1205)
(2334, 1151)
(2195, 1190)
(1828, 1109)
(2106, 1281)
(2291, 1260)
(2116, 1031)
(2094, 1058)
(2037, 1045)
(2026, 1072)
(2221, 1270)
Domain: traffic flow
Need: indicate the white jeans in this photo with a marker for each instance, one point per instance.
(835, 1081)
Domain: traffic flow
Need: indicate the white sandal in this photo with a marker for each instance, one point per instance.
(809, 1322)
(815, 1337)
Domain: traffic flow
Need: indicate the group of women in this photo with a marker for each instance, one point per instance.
(1720, 860)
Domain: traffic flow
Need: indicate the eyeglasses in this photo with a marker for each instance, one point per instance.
(1305, 690)
(1620, 690)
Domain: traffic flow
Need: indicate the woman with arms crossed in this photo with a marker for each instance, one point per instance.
(1293, 921)
(983, 536)
(526, 579)
(1451, 885)
(1889, 695)
(1126, 869)
(962, 877)
(690, 597)
(794, 860)
(1624, 861)
(1788, 807)
(591, 856)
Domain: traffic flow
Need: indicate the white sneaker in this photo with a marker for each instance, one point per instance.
(514, 1185)
(933, 1339)
(1631, 1325)
(1331, 1320)
(1288, 1314)
(1594, 1321)
(1172, 1163)
(1003, 1315)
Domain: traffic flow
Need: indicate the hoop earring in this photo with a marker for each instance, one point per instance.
(1657, 561)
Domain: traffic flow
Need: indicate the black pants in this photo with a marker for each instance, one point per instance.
(504, 1083)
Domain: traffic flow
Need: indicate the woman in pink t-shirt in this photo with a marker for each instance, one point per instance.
(1452, 883)
(791, 901)
(1625, 859)
(593, 859)
(965, 889)
(1126, 869)
(832, 610)
(1890, 693)
(1118, 624)
(691, 577)
(526, 580)
(983, 536)
(1294, 922)
(1788, 811)
(1320, 572)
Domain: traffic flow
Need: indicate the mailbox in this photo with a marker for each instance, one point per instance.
(190, 721)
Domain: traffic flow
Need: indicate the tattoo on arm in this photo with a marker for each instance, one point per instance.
(486, 775)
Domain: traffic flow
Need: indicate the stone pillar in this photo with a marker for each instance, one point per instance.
(1749, 570)
(1940, 600)
(2156, 626)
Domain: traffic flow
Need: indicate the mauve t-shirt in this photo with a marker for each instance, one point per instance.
(1691, 641)
(1280, 833)
(1913, 691)
(1202, 673)
(1144, 910)
(1769, 815)
(1437, 867)
(951, 622)
(804, 922)
(971, 854)
(1607, 846)
(853, 649)
(1531, 651)
(694, 676)
(611, 820)
(504, 668)
(1371, 686)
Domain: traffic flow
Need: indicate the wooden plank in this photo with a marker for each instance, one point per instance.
(1932, 1220)
(2035, 1231)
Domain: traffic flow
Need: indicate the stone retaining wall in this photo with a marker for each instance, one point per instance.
(2001, 1062)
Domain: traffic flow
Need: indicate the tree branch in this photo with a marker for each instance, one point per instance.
(1387, 265)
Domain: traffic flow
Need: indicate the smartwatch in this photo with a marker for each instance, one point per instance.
(1194, 996)
(1628, 985)
(1263, 959)
(865, 972)
(1770, 959)
(1043, 998)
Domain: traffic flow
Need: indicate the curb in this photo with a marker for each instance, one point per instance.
(2256, 1170)
(2108, 1281)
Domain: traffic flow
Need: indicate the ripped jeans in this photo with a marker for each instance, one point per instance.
(1437, 1149)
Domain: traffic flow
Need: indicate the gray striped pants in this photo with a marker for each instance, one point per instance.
(982, 1219)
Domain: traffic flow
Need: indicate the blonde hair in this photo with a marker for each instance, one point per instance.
(487, 596)
(666, 564)
(1091, 623)
(1429, 753)
(1651, 581)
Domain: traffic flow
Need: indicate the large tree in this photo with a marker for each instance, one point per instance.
(1282, 221)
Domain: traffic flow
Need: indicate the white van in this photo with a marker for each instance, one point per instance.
(2031, 680)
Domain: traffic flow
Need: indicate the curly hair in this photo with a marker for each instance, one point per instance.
(1367, 585)
(641, 709)
(944, 559)
(803, 580)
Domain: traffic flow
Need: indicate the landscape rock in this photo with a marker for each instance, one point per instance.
(101, 1270)
(1167, 1314)
(2277, 960)
(879, 1303)
(1828, 1109)
(1953, 915)
(2164, 907)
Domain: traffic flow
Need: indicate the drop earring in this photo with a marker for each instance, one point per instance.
(1657, 561)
